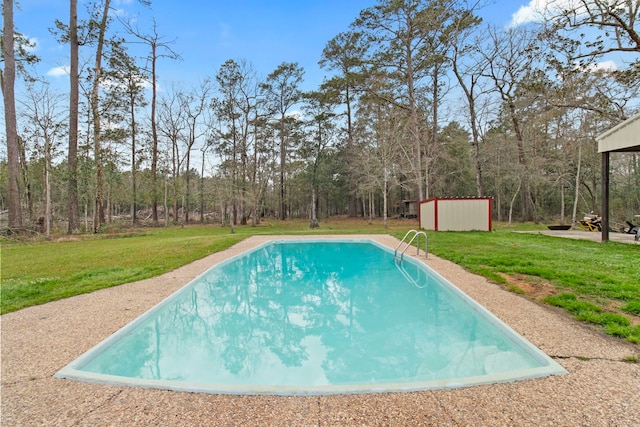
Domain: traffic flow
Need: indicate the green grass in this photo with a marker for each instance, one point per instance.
(598, 283)
(36, 272)
(46, 271)
(609, 271)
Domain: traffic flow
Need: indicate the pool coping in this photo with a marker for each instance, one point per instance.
(600, 388)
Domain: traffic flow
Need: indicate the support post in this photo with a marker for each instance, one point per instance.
(605, 196)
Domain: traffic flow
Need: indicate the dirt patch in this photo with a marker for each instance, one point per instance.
(616, 307)
(537, 288)
(533, 287)
(68, 239)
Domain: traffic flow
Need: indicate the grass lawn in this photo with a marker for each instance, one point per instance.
(598, 283)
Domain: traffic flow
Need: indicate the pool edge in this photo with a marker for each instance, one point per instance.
(71, 372)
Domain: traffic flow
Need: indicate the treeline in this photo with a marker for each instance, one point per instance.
(422, 99)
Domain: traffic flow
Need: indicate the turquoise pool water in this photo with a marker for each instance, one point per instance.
(314, 317)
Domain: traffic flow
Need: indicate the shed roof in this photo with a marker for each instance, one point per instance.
(623, 137)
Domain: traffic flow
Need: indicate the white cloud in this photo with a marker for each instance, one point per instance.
(120, 13)
(603, 66)
(538, 10)
(60, 71)
(140, 82)
(295, 114)
(32, 44)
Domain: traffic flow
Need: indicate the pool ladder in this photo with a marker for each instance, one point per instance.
(414, 234)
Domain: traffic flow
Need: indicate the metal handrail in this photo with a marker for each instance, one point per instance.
(416, 234)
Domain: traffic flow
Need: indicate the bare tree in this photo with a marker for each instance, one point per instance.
(172, 125)
(613, 20)
(45, 127)
(468, 66)
(510, 57)
(159, 48)
(381, 128)
(194, 104)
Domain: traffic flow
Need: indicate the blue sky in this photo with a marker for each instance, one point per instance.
(208, 32)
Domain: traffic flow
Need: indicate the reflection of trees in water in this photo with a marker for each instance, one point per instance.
(258, 310)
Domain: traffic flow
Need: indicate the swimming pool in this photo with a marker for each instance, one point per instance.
(314, 317)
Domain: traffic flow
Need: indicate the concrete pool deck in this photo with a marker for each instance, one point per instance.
(600, 388)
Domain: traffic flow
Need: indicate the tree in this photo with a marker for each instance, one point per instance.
(613, 20)
(394, 29)
(510, 58)
(381, 129)
(453, 171)
(74, 100)
(45, 128)
(320, 135)
(344, 53)
(127, 85)
(440, 20)
(171, 125)
(468, 66)
(8, 77)
(282, 92)
(158, 49)
(98, 213)
(409, 38)
(231, 131)
(194, 104)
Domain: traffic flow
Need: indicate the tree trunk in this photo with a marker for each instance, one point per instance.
(576, 199)
(154, 135)
(562, 202)
(134, 207)
(187, 192)
(47, 186)
(525, 195)
(175, 191)
(385, 200)
(433, 150)
(202, 188)
(26, 181)
(8, 92)
(314, 217)
(74, 99)
(99, 217)
(513, 199)
(414, 127)
(283, 160)
(353, 183)
(165, 204)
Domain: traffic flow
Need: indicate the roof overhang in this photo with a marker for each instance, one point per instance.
(623, 137)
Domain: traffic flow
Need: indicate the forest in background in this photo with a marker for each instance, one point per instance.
(421, 99)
